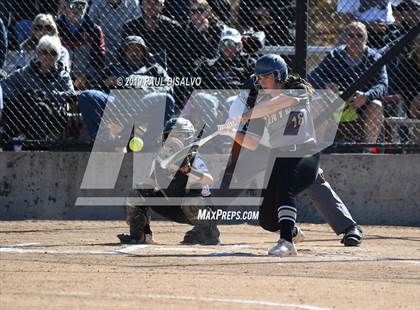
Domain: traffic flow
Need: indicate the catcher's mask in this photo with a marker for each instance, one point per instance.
(179, 128)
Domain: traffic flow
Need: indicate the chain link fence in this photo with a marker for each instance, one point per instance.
(61, 59)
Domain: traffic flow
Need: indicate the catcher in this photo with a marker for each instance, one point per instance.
(190, 178)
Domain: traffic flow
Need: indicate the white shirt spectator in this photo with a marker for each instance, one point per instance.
(375, 10)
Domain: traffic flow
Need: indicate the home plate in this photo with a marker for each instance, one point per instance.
(211, 251)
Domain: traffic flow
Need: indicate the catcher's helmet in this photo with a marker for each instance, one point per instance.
(272, 64)
(179, 124)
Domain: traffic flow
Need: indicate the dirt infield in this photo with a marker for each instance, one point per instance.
(79, 265)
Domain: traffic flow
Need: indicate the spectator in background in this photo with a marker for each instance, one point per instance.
(134, 68)
(22, 14)
(403, 71)
(274, 17)
(164, 36)
(274, 32)
(377, 15)
(111, 15)
(409, 83)
(43, 24)
(48, 6)
(221, 8)
(179, 9)
(203, 30)
(84, 41)
(135, 65)
(343, 66)
(35, 94)
(232, 68)
(122, 113)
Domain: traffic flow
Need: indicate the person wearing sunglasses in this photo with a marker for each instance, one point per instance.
(203, 28)
(363, 117)
(232, 68)
(34, 95)
(84, 41)
(378, 16)
(43, 24)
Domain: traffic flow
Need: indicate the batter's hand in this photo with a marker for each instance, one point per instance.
(229, 127)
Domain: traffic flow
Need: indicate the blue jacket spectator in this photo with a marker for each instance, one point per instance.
(337, 68)
(341, 68)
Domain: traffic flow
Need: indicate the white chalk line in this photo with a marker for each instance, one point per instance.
(234, 301)
(23, 245)
(250, 302)
(220, 251)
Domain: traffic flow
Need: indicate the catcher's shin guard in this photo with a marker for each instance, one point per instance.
(138, 219)
(204, 231)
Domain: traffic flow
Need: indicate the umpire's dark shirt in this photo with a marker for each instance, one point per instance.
(167, 38)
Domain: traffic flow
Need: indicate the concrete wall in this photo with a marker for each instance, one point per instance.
(378, 189)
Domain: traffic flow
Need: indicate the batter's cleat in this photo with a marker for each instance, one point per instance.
(207, 234)
(298, 235)
(283, 248)
(353, 236)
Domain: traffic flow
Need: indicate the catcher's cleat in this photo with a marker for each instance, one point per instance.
(353, 236)
(283, 248)
(149, 239)
(298, 235)
(128, 239)
(206, 234)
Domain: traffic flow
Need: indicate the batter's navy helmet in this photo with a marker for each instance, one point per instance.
(272, 64)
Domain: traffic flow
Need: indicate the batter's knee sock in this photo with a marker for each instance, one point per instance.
(287, 219)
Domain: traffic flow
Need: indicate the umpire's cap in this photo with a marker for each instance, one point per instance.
(272, 63)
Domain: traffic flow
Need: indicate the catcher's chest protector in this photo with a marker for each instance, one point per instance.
(177, 184)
